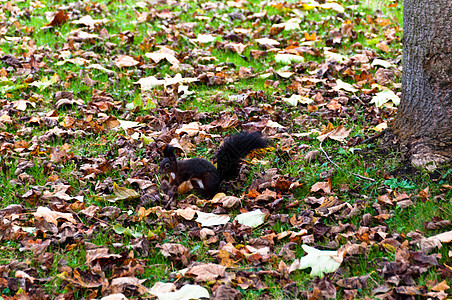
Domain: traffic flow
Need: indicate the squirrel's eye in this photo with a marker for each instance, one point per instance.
(167, 165)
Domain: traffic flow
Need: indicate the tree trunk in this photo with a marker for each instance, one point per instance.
(423, 124)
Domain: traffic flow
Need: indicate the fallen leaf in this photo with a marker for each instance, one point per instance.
(162, 288)
(380, 62)
(173, 249)
(59, 19)
(340, 85)
(206, 272)
(338, 134)
(119, 229)
(125, 61)
(187, 213)
(332, 5)
(121, 194)
(188, 291)
(204, 38)
(267, 42)
(225, 201)
(295, 99)
(442, 286)
(288, 58)
(209, 219)
(251, 219)
(325, 186)
(384, 96)
(445, 237)
(53, 216)
(163, 53)
(380, 127)
(319, 261)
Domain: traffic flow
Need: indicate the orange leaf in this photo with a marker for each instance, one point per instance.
(310, 37)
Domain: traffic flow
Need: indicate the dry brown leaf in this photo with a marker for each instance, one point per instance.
(122, 284)
(338, 134)
(225, 201)
(206, 272)
(442, 286)
(235, 47)
(383, 46)
(334, 105)
(324, 186)
(191, 129)
(59, 19)
(173, 249)
(163, 53)
(187, 213)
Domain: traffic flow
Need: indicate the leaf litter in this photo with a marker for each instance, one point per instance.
(84, 117)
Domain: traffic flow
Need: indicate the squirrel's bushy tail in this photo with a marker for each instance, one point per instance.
(234, 148)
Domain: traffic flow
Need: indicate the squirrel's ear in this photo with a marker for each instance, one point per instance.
(168, 151)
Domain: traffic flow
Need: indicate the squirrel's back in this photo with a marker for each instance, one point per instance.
(234, 148)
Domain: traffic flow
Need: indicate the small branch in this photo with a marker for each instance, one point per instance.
(374, 137)
(357, 175)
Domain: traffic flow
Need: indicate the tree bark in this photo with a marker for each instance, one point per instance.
(423, 124)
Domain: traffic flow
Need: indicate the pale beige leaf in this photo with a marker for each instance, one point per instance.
(163, 53)
(295, 99)
(334, 56)
(384, 96)
(332, 5)
(319, 261)
(380, 62)
(288, 58)
(101, 68)
(118, 296)
(187, 292)
(344, 86)
(162, 288)
(88, 21)
(252, 218)
(267, 42)
(53, 216)
(445, 237)
(187, 213)
(204, 38)
(126, 61)
(209, 219)
(21, 104)
(191, 129)
(235, 47)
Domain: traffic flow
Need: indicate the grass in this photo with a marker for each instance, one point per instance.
(88, 152)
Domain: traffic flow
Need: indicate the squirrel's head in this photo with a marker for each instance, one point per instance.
(169, 162)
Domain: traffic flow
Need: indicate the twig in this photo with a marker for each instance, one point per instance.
(93, 217)
(374, 137)
(357, 175)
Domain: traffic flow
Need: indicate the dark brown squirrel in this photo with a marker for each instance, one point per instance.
(209, 178)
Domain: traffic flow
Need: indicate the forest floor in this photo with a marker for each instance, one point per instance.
(90, 93)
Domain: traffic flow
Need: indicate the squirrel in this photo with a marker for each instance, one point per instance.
(209, 178)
